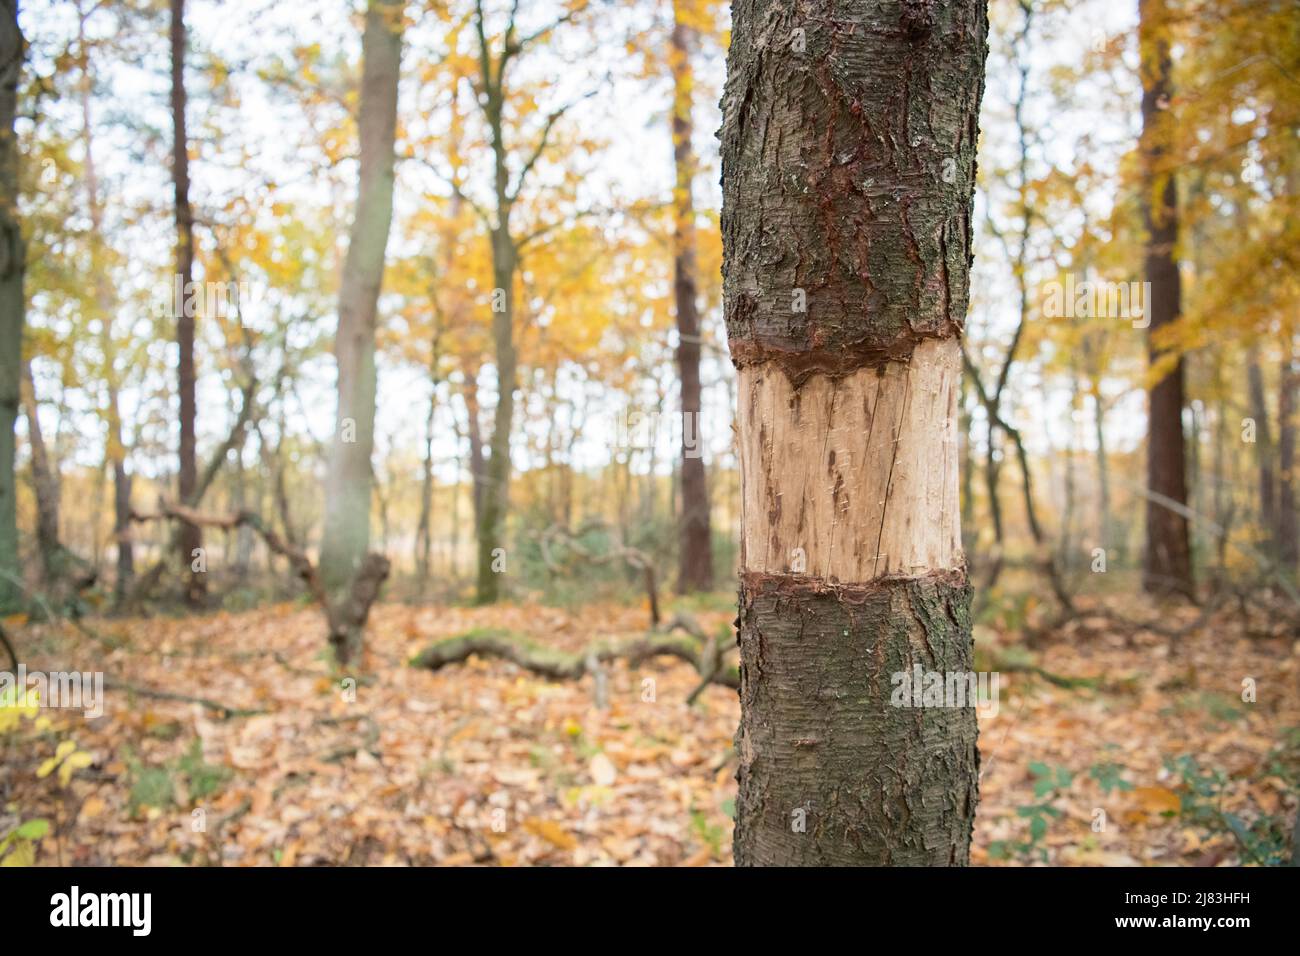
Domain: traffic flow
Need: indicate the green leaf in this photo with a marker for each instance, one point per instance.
(33, 829)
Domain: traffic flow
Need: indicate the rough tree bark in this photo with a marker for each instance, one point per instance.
(12, 303)
(189, 537)
(1167, 563)
(346, 536)
(695, 562)
(848, 150)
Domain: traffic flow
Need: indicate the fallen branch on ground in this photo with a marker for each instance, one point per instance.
(556, 664)
(1009, 665)
(225, 710)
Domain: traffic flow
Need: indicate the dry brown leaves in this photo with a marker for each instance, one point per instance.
(487, 764)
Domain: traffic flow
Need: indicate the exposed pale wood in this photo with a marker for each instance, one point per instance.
(873, 450)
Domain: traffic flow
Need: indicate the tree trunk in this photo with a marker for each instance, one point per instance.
(190, 537)
(1288, 541)
(424, 529)
(346, 535)
(46, 486)
(695, 565)
(1167, 562)
(12, 301)
(1263, 443)
(473, 430)
(496, 484)
(122, 532)
(848, 151)
(114, 448)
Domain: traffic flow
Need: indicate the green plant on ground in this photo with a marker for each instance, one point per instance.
(1049, 785)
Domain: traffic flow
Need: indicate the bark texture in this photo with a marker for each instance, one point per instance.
(1167, 565)
(877, 784)
(855, 159)
(12, 302)
(848, 151)
(346, 536)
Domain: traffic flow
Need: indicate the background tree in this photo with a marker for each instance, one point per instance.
(12, 300)
(190, 537)
(695, 559)
(1168, 558)
(346, 535)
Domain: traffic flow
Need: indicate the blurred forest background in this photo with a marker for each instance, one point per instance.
(532, 190)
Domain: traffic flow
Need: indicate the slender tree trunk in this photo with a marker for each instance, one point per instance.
(114, 447)
(695, 566)
(496, 483)
(505, 263)
(1167, 562)
(190, 537)
(346, 536)
(1288, 540)
(12, 301)
(848, 151)
(1263, 445)
(1103, 469)
(122, 533)
(243, 534)
(474, 432)
(1067, 556)
(424, 533)
(46, 486)
(453, 544)
(1222, 487)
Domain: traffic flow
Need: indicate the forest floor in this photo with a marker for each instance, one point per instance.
(1148, 757)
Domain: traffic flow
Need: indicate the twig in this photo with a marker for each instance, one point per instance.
(224, 710)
